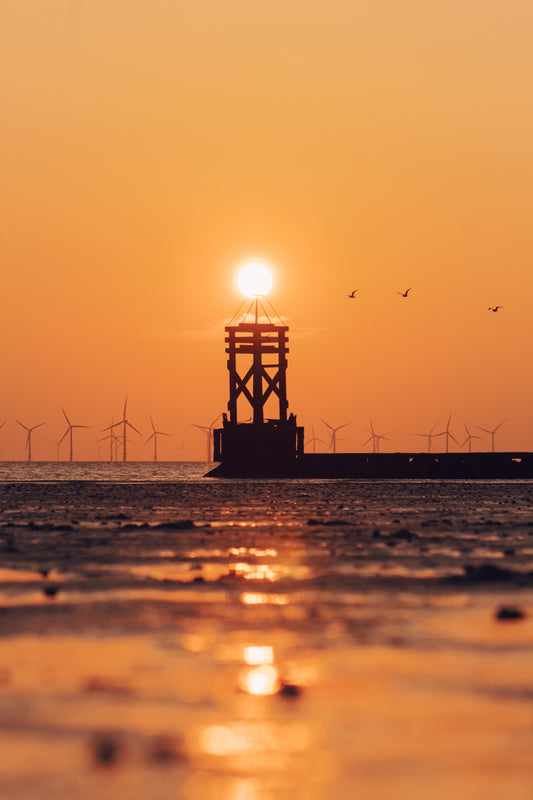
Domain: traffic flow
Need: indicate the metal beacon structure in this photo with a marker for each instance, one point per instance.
(258, 436)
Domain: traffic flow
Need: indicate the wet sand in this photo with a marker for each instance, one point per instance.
(265, 639)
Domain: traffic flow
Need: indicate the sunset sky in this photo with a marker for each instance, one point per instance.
(151, 147)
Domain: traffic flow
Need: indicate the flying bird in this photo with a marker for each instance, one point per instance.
(496, 308)
(406, 293)
(352, 295)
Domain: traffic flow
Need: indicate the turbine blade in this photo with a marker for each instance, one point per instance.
(66, 432)
(326, 424)
(65, 415)
(22, 424)
(132, 427)
(150, 437)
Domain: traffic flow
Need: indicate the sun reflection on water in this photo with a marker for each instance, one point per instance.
(257, 572)
(261, 680)
(259, 598)
(253, 551)
(243, 738)
(255, 654)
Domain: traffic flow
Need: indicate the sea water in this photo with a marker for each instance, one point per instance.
(167, 635)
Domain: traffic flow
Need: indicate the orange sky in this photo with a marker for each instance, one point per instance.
(148, 148)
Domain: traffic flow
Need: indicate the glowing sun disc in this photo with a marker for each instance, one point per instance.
(254, 279)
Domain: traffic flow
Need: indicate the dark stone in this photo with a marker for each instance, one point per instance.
(506, 613)
(290, 691)
(50, 591)
(106, 750)
(165, 750)
(403, 533)
(485, 573)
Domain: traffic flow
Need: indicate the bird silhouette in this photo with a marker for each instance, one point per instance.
(352, 295)
(496, 308)
(406, 293)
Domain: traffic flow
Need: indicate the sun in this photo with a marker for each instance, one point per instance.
(254, 279)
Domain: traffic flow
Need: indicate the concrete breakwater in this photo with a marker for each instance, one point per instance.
(503, 466)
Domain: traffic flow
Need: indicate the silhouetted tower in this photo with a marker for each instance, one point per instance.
(261, 379)
(257, 365)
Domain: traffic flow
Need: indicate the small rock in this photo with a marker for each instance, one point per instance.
(403, 533)
(506, 613)
(165, 749)
(290, 690)
(106, 750)
(50, 591)
(485, 573)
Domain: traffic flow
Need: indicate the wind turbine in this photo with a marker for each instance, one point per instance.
(69, 432)
(429, 436)
(492, 432)
(208, 430)
(333, 438)
(446, 433)
(126, 424)
(469, 437)
(314, 439)
(374, 438)
(57, 445)
(154, 436)
(113, 439)
(28, 437)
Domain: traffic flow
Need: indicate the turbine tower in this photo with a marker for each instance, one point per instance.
(446, 433)
(68, 432)
(154, 436)
(28, 437)
(314, 439)
(430, 436)
(333, 436)
(375, 438)
(113, 439)
(492, 432)
(469, 437)
(208, 430)
(125, 425)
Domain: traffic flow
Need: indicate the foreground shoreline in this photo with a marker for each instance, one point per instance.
(265, 640)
